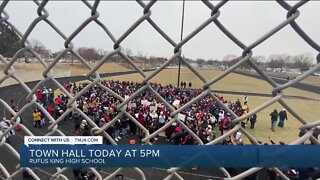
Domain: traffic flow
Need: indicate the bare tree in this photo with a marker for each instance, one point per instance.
(259, 58)
(200, 62)
(89, 54)
(259, 61)
(303, 61)
(211, 62)
(229, 57)
(37, 46)
(277, 61)
(228, 60)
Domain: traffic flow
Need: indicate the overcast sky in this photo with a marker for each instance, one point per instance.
(246, 20)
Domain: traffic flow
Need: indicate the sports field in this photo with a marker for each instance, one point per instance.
(313, 80)
(232, 82)
(241, 83)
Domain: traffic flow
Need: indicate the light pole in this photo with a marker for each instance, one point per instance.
(182, 21)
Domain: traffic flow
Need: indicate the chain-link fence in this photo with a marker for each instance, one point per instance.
(43, 16)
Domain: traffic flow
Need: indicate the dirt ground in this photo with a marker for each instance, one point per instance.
(312, 80)
(34, 71)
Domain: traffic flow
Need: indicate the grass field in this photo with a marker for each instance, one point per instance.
(290, 132)
(232, 82)
(236, 82)
(313, 80)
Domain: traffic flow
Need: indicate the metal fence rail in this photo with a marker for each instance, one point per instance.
(43, 16)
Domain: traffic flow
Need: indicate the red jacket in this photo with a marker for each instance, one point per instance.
(39, 95)
(50, 110)
(141, 120)
(107, 118)
(58, 101)
(221, 124)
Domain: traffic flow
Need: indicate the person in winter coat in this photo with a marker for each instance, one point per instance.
(132, 125)
(77, 121)
(282, 117)
(162, 119)
(244, 121)
(84, 126)
(51, 111)
(221, 123)
(50, 96)
(253, 120)
(142, 121)
(4, 125)
(124, 126)
(39, 95)
(117, 128)
(168, 132)
(274, 118)
(37, 118)
(187, 140)
(238, 138)
(210, 133)
(58, 101)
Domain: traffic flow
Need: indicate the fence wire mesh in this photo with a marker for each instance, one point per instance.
(94, 77)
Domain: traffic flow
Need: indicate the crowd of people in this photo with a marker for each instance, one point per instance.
(203, 117)
(100, 106)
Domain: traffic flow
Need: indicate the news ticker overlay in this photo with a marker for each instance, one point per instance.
(41, 140)
(74, 154)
